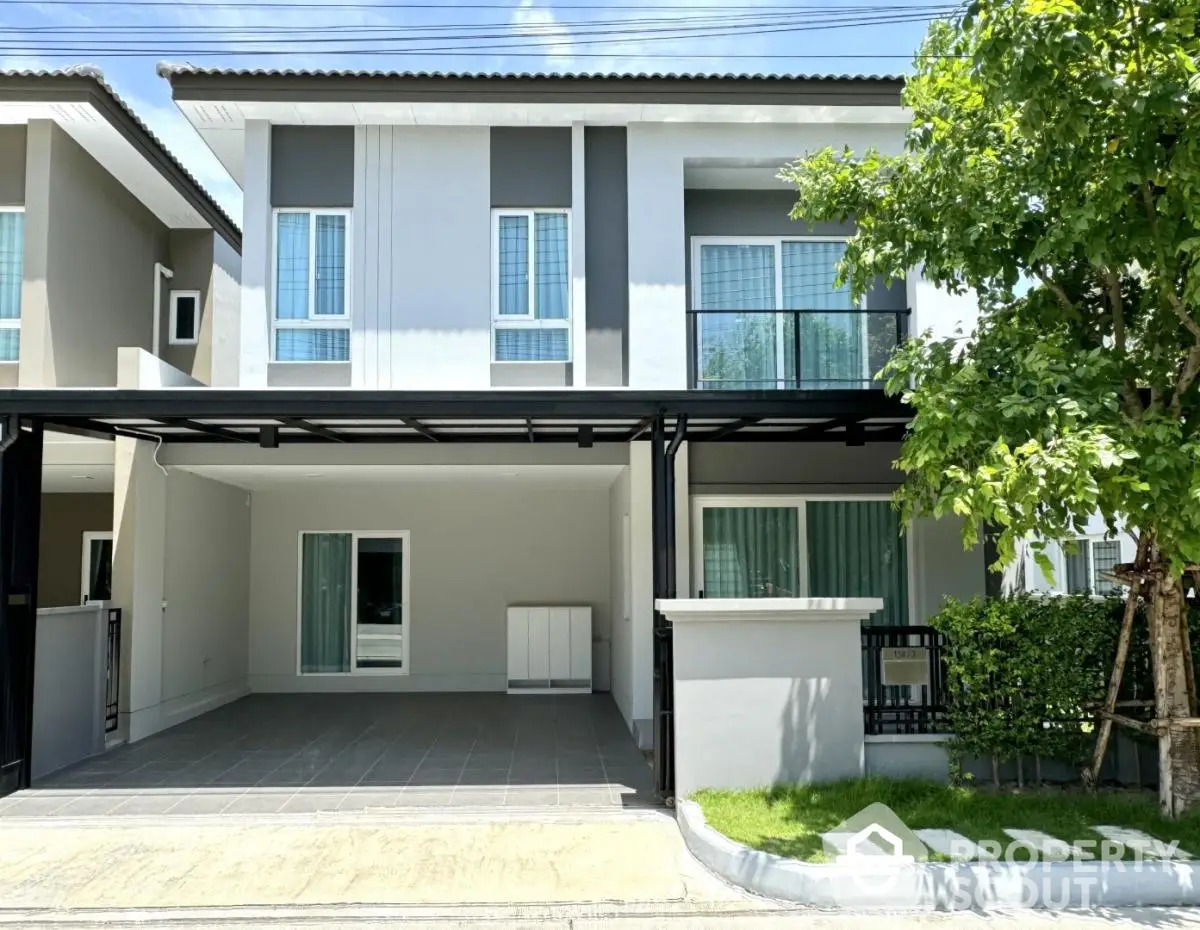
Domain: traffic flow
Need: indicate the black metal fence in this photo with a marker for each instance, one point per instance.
(809, 349)
(112, 670)
(904, 680)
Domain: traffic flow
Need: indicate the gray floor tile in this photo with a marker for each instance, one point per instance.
(305, 750)
(529, 797)
(311, 803)
(257, 803)
(477, 797)
(89, 805)
(146, 804)
(204, 803)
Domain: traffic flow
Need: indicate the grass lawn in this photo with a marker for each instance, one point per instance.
(790, 821)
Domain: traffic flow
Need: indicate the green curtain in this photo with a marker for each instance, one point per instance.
(831, 344)
(751, 552)
(325, 602)
(855, 550)
(736, 350)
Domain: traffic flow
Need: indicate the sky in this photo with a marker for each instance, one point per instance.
(126, 40)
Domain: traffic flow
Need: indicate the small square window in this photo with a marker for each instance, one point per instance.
(185, 318)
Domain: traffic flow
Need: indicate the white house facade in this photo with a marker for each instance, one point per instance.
(516, 356)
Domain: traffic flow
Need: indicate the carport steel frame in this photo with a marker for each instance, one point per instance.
(269, 418)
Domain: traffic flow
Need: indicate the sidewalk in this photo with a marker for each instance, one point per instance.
(234, 862)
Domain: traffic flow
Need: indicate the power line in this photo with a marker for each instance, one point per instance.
(360, 5)
(273, 29)
(537, 34)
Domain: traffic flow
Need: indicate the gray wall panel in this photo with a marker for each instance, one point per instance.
(12, 165)
(531, 166)
(308, 374)
(606, 212)
(765, 213)
(312, 166)
(89, 264)
(531, 374)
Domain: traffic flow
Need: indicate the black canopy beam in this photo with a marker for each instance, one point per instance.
(211, 430)
(643, 424)
(727, 430)
(297, 423)
(418, 427)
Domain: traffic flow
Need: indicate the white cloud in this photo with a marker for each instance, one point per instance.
(543, 26)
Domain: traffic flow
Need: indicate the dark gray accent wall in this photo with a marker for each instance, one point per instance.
(765, 213)
(606, 228)
(12, 165)
(65, 518)
(192, 264)
(780, 467)
(312, 166)
(531, 166)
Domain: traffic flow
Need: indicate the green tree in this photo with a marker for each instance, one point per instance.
(1053, 143)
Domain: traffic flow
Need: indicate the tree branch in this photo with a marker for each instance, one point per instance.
(1112, 286)
(1057, 290)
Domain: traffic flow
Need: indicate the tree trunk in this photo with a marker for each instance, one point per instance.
(1178, 746)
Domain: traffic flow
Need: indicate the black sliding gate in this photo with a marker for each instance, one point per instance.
(271, 418)
(20, 509)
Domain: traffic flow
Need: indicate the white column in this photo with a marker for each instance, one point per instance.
(641, 579)
(657, 291)
(578, 260)
(139, 534)
(934, 309)
(255, 345)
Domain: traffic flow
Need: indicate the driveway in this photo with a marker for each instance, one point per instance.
(306, 753)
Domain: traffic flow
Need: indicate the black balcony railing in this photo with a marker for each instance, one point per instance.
(912, 653)
(792, 349)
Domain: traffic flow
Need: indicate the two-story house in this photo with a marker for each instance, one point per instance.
(515, 354)
(106, 242)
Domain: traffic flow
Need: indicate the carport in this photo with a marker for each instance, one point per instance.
(287, 752)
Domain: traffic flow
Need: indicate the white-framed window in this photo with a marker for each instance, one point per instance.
(12, 273)
(1087, 566)
(766, 314)
(96, 573)
(814, 545)
(352, 605)
(310, 317)
(531, 285)
(185, 318)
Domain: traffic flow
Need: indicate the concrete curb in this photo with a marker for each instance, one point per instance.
(940, 886)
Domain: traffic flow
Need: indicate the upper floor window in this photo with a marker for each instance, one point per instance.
(531, 286)
(185, 318)
(12, 255)
(311, 319)
(767, 314)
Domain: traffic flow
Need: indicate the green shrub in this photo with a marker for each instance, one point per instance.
(1022, 671)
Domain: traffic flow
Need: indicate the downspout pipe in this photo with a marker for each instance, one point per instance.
(160, 270)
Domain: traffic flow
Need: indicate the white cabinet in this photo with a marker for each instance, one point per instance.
(549, 649)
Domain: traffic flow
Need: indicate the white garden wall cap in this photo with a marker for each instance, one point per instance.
(771, 608)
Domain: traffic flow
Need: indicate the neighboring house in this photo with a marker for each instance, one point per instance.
(101, 229)
(582, 358)
(1084, 568)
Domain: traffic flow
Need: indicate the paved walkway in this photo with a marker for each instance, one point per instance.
(416, 859)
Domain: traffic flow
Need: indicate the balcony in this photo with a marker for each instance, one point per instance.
(792, 349)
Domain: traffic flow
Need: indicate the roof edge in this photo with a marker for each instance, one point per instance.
(189, 82)
(87, 82)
